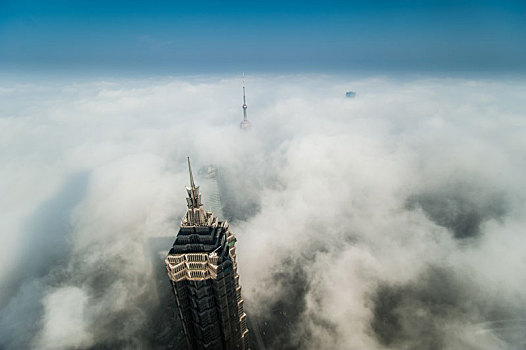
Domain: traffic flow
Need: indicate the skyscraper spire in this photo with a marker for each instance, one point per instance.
(245, 124)
(190, 171)
(196, 214)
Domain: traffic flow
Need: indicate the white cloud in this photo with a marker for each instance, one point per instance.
(64, 320)
(362, 195)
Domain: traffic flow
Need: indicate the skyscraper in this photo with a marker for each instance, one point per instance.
(202, 268)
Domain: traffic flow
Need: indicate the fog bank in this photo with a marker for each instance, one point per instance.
(393, 220)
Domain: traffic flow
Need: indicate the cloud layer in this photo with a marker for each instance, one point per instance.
(390, 221)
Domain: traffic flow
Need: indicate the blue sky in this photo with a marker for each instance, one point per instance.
(217, 36)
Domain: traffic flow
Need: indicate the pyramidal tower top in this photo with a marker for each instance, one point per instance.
(245, 124)
(196, 215)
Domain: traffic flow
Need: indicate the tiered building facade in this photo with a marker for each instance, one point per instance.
(202, 268)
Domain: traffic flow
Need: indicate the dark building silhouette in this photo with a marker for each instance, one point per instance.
(203, 271)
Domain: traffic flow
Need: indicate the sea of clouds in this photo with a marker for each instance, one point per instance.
(394, 220)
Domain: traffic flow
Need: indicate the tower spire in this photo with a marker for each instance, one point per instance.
(244, 100)
(196, 214)
(192, 184)
(245, 124)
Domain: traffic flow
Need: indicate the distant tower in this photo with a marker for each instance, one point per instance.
(245, 124)
(202, 268)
